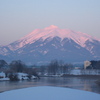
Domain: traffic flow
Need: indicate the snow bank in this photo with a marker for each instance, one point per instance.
(4, 79)
(85, 72)
(48, 93)
(76, 72)
(2, 74)
(22, 76)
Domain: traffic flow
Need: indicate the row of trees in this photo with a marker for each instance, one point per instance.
(16, 67)
(53, 68)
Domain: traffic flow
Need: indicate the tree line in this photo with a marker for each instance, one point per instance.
(53, 68)
(17, 66)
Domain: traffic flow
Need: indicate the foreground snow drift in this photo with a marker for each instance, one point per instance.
(48, 93)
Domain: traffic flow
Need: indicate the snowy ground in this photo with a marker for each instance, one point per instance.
(4, 79)
(48, 93)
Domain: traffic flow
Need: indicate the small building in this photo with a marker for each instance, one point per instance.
(86, 64)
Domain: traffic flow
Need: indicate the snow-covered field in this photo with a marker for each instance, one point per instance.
(48, 93)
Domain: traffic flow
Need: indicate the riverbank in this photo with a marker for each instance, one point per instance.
(84, 76)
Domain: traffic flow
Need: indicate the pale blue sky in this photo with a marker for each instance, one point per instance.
(20, 17)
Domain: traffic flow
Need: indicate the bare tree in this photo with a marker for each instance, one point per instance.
(53, 67)
(17, 66)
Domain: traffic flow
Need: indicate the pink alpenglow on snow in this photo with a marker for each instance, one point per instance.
(51, 27)
(48, 93)
(51, 32)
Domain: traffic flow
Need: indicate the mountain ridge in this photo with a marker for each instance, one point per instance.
(43, 45)
(53, 31)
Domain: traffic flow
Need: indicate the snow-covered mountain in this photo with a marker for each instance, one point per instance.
(43, 45)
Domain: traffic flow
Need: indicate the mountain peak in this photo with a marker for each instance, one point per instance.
(51, 27)
(53, 31)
